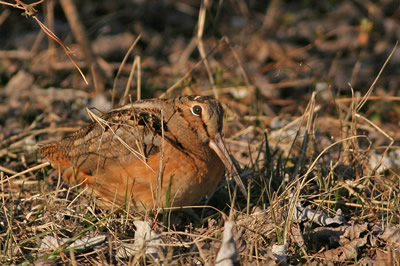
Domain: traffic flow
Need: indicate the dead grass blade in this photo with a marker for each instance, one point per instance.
(31, 11)
(37, 167)
(136, 64)
(105, 124)
(121, 66)
(200, 46)
(371, 88)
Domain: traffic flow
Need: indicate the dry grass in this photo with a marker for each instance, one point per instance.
(36, 204)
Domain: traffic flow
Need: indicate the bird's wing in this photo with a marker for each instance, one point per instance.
(116, 137)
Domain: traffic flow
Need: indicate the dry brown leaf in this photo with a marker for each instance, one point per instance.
(354, 231)
(344, 253)
(387, 258)
(392, 236)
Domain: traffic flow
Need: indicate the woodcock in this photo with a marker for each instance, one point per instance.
(146, 152)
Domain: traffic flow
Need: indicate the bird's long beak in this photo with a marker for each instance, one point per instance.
(218, 146)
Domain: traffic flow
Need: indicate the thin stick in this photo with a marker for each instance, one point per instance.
(121, 66)
(139, 80)
(176, 84)
(371, 88)
(80, 35)
(352, 204)
(160, 174)
(200, 46)
(40, 166)
(128, 84)
(8, 171)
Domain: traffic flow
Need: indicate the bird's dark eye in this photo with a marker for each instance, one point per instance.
(196, 110)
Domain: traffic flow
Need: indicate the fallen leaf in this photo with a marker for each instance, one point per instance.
(228, 254)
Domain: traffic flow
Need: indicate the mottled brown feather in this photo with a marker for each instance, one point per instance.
(118, 155)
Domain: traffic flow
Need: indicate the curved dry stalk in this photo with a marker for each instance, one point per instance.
(40, 166)
(31, 11)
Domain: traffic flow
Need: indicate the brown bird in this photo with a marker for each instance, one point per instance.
(151, 153)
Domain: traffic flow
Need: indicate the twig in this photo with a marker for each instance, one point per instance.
(40, 166)
(371, 88)
(79, 32)
(200, 46)
(121, 67)
(31, 11)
